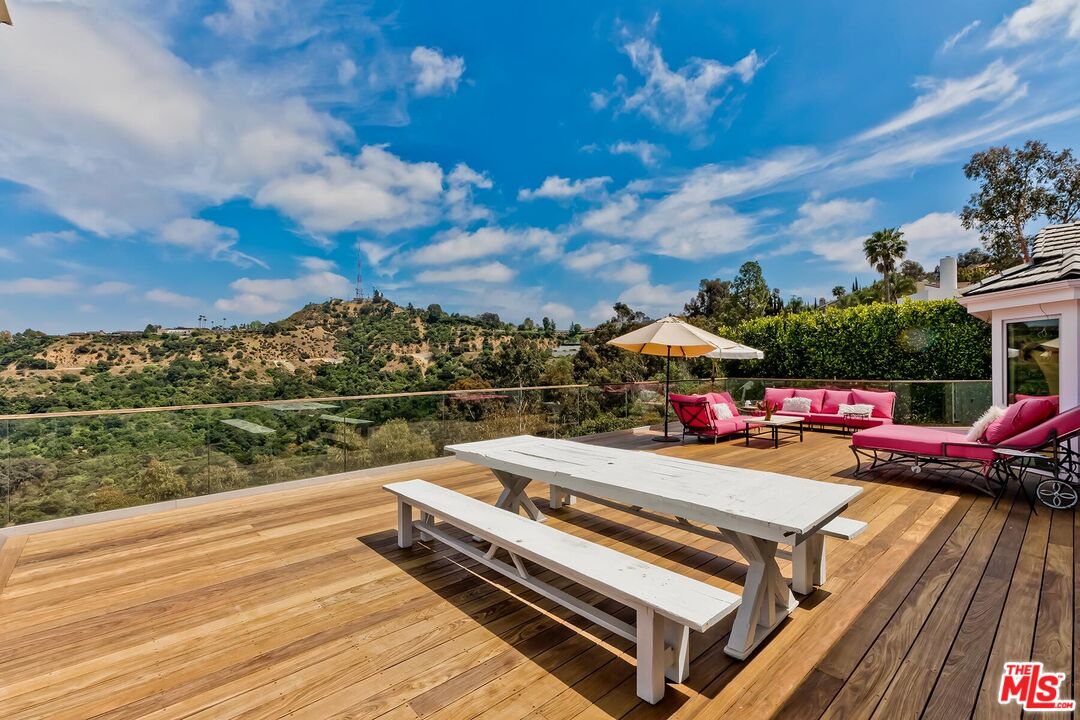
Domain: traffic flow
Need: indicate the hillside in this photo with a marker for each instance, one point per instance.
(336, 347)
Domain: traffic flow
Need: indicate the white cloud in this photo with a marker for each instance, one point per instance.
(316, 264)
(8, 255)
(168, 297)
(375, 252)
(941, 97)
(347, 70)
(458, 245)
(649, 154)
(815, 216)
(683, 100)
(562, 314)
(596, 255)
(1038, 19)
(461, 182)
(377, 190)
(929, 238)
(44, 287)
(436, 73)
(560, 188)
(629, 273)
(87, 308)
(111, 287)
(493, 272)
(270, 295)
(935, 235)
(51, 239)
(655, 300)
(956, 37)
(203, 237)
(114, 133)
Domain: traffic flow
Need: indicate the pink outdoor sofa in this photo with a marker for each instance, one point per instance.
(1031, 424)
(825, 406)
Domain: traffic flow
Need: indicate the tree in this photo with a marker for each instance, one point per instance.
(750, 290)
(548, 324)
(714, 300)
(527, 325)
(1016, 188)
(913, 270)
(883, 248)
(839, 291)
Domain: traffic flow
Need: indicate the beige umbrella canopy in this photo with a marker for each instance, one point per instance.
(5, 16)
(671, 337)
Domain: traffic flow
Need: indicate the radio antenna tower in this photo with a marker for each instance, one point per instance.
(359, 278)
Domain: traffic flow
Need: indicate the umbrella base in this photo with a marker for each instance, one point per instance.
(666, 438)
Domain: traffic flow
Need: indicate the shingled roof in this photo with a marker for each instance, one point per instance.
(1055, 256)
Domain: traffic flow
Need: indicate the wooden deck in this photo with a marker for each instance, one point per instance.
(300, 604)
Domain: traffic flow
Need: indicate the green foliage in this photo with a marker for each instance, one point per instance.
(910, 341)
(395, 443)
(883, 249)
(1016, 187)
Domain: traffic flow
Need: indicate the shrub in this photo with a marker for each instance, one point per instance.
(936, 340)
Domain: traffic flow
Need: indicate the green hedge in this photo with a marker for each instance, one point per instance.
(936, 340)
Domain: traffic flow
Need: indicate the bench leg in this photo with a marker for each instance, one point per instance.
(404, 525)
(808, 564)
(677, 638)
(650, 656)
(557, 497)
(426, 517)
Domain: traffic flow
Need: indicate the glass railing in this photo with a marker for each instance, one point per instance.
(64, 464)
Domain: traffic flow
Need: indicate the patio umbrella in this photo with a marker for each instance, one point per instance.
(734, 351)
(5, 16)
(669, 337)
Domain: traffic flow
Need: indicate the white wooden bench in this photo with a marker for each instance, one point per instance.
(668, 605)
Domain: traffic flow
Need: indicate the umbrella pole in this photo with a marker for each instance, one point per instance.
(667, 402)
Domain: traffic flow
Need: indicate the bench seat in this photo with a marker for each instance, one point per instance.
(668, 605)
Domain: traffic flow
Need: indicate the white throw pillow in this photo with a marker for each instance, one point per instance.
(722, 411)
(856, 409)
(977, 430)
(796, 404)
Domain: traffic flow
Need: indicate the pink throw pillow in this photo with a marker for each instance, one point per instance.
(1020, 416)
(816, 397)
(882, 401)
(1056, 399)
(833, 400)
(777, 396)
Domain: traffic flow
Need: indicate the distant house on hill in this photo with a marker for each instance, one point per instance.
(178, 331)
(947, 288)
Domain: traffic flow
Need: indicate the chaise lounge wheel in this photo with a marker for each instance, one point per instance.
(1057, 494)
(916, 469)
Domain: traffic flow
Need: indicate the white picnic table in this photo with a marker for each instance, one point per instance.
(753, 510)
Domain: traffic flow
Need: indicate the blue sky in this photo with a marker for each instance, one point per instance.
(161, 160)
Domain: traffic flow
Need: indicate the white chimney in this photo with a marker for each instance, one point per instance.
(947, 270)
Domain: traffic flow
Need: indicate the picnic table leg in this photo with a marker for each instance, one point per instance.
(557, 497)
(766, 599)
(404, 525)
(514, 497)
(808, 564)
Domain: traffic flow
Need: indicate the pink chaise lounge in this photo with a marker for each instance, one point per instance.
(697, 416)
(1029, 425)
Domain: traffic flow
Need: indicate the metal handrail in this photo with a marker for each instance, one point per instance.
(431, 393)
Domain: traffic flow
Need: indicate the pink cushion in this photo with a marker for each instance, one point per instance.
(915, 439)
(882, 401)
(777, 396)
(725, 398)
(833, 400)
(1056, 399)
(838, 419)
(1064, 425)
(1020, 416)
(816, 397)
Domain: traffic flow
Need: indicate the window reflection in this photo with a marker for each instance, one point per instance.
(1032, 360)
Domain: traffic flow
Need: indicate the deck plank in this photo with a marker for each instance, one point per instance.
(299, 603)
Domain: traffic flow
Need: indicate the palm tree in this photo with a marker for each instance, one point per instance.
(883, 250)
